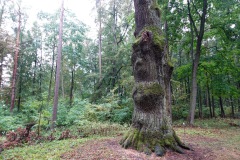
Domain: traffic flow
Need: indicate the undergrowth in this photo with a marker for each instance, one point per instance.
(56, 142)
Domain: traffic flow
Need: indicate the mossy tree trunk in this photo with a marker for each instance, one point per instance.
(151, 129)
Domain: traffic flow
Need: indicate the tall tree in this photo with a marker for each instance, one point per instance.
(116, 27)
(99, 6)
(151, 129)
(50, 30)
(59, 57)
(15, 65)
(199, 35)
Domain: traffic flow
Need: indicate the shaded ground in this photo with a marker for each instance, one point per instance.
(208, 144)
(109, 149)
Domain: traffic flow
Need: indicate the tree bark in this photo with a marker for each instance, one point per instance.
(55, 104)
(151, 129)
(213, 107)
(232, 107)
(15, 66)
(209, 100)
(72, 87)
(221, 107)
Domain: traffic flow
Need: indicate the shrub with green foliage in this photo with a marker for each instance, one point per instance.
(180, 111)
(81, 111)
(7, 121)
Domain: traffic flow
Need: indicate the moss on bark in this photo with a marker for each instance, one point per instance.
(152, 142)
(151, 129)
(153, 88)
(157, 39)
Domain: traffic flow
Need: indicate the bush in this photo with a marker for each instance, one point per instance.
(8, 122)
(123, 115)
(180, 112)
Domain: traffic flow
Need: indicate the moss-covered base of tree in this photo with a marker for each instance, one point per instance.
(152, 142)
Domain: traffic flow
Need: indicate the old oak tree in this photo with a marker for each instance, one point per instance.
(151, 129)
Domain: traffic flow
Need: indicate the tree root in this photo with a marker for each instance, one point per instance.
(149, 142)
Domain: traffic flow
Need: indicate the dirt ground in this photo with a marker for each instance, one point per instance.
(205, 145)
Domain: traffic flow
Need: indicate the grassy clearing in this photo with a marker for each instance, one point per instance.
(217, 135)
(54, 149)
(48, 150)
(216, 123)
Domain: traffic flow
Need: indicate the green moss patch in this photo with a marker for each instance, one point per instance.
(153, 88)
(157, 39)
(150, 141)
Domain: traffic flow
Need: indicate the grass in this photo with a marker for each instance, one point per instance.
(48, 150)
(53, 150)
(215, 134)
(211, 123)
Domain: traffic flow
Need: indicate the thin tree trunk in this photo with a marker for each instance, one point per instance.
(239, 105)
(100, 40)
(34, 73)
(115, 48)
(55, 104)
(196, 59)
(213, 107)
(186, 88)
(72, 87)
(15, 66)
(209, 100)
(40, 91)
(40, 66)
(232, 107)
(51, 76)
(221, 107)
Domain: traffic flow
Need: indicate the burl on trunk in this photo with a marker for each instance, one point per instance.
(151, 129)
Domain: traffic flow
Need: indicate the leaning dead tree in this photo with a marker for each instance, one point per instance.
(151, 129)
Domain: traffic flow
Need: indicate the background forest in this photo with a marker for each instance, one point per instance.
(96, 78)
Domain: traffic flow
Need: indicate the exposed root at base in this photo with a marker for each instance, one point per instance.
(149, 142)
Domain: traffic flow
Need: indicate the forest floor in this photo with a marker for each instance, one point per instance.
(208, 143)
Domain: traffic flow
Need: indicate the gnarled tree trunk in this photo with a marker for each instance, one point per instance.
(151, 129)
